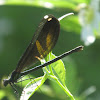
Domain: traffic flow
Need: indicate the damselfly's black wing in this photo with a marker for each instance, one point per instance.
(42, 42)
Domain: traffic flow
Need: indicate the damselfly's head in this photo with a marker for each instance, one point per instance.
(12, 79)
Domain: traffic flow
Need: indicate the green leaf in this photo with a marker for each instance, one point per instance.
(57, 74)
(32, 86)
(57, 68)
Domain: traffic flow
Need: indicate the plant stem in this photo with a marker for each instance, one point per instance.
(64, 88)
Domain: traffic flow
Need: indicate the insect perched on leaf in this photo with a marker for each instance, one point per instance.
(41, 44)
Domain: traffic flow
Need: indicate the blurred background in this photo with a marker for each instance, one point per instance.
(18, 22)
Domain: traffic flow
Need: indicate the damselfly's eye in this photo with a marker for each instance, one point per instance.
(5, 82)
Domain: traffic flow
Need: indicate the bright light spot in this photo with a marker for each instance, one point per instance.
(46, 16)
(2, 2)
(49, 19)
(48, 5)
(90, 40)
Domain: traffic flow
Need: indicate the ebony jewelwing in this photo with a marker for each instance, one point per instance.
(41, 44)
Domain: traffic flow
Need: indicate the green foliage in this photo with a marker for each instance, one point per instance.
(54, 72)
(18, 22)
